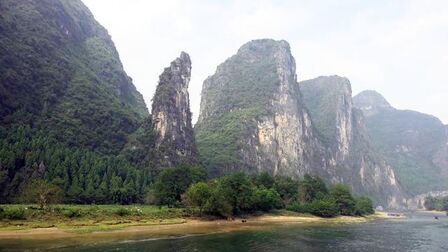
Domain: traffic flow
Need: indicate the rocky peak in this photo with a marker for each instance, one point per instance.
(370, 102)
(171, 114)
(252, 116)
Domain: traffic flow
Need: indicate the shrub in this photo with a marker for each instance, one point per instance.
(287, 187)
(296, 207)
(310, 187)
(72, 212)
(343, 198)
(122, 211)
(364, 206)
(218, 204)
(171, 183)
(325, 207)
(266, 199)
(14, 213)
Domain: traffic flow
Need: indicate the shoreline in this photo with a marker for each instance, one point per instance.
(187, 226)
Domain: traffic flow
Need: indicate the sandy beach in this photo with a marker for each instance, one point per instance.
(188, 226)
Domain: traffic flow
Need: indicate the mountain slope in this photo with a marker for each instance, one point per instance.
(413, 143)
(67, 108)
(60, 72)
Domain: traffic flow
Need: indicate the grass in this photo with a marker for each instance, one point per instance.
(89, 218)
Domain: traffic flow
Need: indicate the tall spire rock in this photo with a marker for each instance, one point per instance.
(174, 139)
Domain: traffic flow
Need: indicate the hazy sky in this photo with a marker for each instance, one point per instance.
(399, 48)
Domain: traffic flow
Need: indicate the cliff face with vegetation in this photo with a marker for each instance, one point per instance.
(252, 117)
(67, 107)
(415, 144)
(255, 118)
(174, 138)
(61, 73)
(341, 128)
(70, 115)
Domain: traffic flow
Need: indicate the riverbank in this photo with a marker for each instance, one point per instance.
(118, 226)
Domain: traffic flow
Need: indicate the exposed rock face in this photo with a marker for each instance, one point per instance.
(329, 100)
(413, 143)
(349, 152)
(371, 102)
(174, 139)
(254, 118)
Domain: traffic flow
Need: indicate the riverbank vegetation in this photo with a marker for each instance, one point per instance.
(239, 193)
(185, 192)
(436, 203)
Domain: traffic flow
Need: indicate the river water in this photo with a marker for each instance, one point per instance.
(418, 232)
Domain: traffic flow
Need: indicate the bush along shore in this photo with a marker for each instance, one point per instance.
(184, 192)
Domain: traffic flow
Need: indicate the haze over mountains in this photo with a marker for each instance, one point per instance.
(71, 115)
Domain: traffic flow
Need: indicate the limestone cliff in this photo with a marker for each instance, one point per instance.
(349, 151)
(328, 100)
(254, 118)
(174, 139)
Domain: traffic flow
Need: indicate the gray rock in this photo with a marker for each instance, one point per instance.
(174, 139)
(254, 118)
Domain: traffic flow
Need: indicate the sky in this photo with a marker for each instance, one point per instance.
(398, 48)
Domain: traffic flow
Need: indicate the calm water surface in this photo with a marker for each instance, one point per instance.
(420, 232)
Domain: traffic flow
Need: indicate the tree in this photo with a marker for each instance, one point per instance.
(41, 192)
(266, 199)
(239, 190)
(430, 203)
(171, 183)
(325, 207)
(264, 179)
(287, 187)
(343, 198)
(364, 206)
(197, 195)
(310, 187)
(218, 203)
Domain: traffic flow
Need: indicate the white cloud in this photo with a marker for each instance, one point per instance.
(399, 48)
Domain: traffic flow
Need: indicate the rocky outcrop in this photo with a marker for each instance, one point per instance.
(341, 128)
(251, 108)
(329, 100)
(371, 102)
(174, 139)
(254, 118)
(413, 143)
